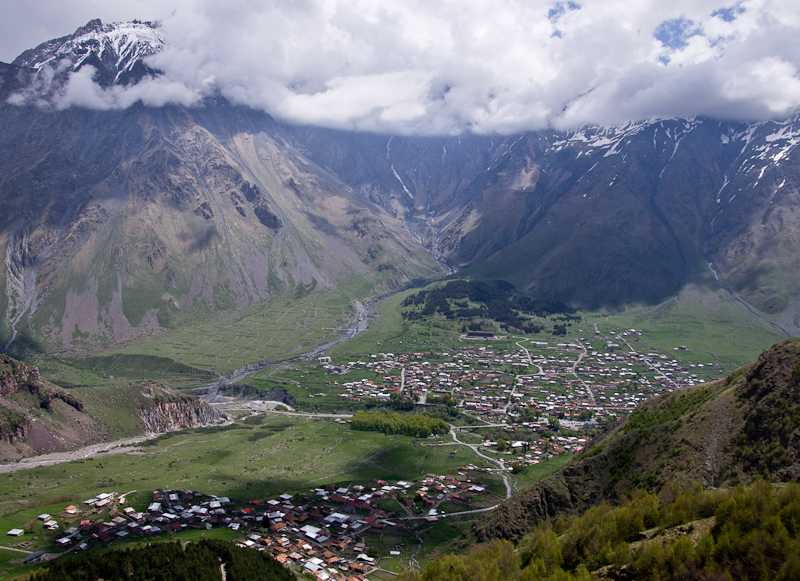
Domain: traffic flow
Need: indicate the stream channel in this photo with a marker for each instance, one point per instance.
(209, 393)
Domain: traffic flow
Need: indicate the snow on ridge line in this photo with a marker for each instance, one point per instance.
(613, 136)
(128, 42)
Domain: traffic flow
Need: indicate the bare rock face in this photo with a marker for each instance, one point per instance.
(164, 410)
(117, 225)
(17, 377)
(37, 416)
(597, 217)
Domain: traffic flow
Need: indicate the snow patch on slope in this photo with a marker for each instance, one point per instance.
(120, 45)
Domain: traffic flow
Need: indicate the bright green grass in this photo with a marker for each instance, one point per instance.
(256, 458)
(538, 471)
(266, 332)
(713, 327)
(114, 406)
(244, 460)
(7, 570)
(388, 333)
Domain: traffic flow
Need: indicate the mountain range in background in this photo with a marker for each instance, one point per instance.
(116, 223)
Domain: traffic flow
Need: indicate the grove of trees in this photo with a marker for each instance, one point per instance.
(485, 299)
(170, 561)
(418, 425)
(738, 533)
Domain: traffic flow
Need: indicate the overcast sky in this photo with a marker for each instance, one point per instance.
(446, 66)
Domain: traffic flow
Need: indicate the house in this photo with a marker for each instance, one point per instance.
(35, 557)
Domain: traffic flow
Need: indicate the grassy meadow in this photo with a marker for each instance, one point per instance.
(203, 345)
(714, 327)
(254, 458)
(710, 324)
(259, 456)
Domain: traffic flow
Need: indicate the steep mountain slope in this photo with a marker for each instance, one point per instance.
(110, 232)
(37, 416)
(116, 222)
(716, 434)
(599, 217)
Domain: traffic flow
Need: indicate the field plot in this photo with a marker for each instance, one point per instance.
(389, 332)
(712, 326)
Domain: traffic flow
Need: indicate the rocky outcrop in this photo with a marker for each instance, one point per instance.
(37, 416)
(164, 410)
(17, 377)
(21, 379)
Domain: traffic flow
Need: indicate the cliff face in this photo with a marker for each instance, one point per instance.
(39, 417)
(17, 377)
(164, 410)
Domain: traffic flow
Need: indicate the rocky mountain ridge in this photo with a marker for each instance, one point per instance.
(117, 53)
(600, 217)
(115, 224)
(164, 410)
(37, 416)
(20, 378)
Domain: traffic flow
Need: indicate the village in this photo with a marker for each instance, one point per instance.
(331, 532)
(516, 402)
(525, 391)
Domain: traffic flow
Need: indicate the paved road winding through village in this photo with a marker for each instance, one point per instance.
(476, 449)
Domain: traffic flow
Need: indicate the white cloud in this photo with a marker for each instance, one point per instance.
(414, 66)
(82, 91)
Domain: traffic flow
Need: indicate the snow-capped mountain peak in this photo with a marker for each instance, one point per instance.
(116, 50)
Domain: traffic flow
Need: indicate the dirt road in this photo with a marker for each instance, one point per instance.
(116, 447)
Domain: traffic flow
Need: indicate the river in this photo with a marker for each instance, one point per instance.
(115, 447)
(360, 322)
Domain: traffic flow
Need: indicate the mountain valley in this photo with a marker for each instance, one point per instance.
(600, 316)
(121, 224)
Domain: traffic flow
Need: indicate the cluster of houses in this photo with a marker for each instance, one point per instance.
(526, 383)
(324, 532)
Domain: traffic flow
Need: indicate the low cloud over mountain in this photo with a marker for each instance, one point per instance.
(445, 68)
